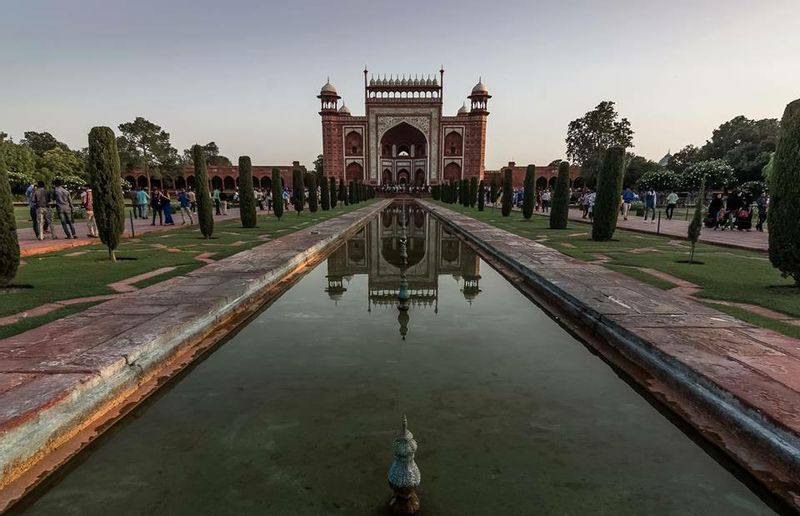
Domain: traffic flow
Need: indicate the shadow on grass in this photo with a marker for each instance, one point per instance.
(690, 262)
(787, 290)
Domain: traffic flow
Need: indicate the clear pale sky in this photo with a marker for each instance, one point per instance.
(245, 73)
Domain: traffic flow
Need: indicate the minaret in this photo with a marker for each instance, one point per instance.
(404, 476)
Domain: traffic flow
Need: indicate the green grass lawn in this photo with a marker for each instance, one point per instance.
(726, 274)
(58, 276)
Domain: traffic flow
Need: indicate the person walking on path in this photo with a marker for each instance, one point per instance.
(143, 200)
(761, 207)
(627, 199)
(41, 199)
(64, 209)
(192, 200)
(672, 201)
(186, 207)
(32, 208)
(650, 199)
(155, 205)
(215, 196)
(134, 195)
(86, 204)
(546, 201)
(166, 207)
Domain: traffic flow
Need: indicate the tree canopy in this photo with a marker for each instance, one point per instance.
(591, 135)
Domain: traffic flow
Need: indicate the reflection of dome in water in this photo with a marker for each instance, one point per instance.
(403, 319)
(415, 249)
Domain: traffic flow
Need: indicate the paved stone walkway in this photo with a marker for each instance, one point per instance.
(743, 373)
(678, 227)
(29, 245)
(55, 378)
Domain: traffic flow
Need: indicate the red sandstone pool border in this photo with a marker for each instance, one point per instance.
(762, 438)
(109, 378)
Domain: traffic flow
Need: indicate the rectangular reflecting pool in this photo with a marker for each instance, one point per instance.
(296, 413)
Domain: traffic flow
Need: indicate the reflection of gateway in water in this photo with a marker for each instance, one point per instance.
(375, 251)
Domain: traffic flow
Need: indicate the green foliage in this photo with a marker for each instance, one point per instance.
(312, 193)
(588, 138)
(684, 158)
(784, 187)
(20, 163)
(42, 142)
(766, 172)
(9, 245)
(473, 191)
(508, 193)
(435, 192)
(298, 190)
(660, 179)
(481, 196)
(637, 167)
(247, 196)
(696, 225)
(351, 194)
(205, 215)
(325, 193)
(493, 189)
(277, 193)
(559, 209)
(528, 192)
(753, 189)
(745, 144)
(318, 164)
(609, 190)
(333, 193)
(64, 165)
(714, 173)
(104, 173)
(145, 145)
(464, 190)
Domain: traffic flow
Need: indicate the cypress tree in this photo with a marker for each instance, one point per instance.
(325, 193)
(312, 193)
(205, 213)
(351, 195)
(784, 189)
(508, 193)
(9, 245)
(465, 192)
(609, 190)
(277, 193)
(493, 190)
(697, 219)
(247, 196)
(473, 191)
(528, 192)
(298, 191)
(343, 192)
(481, 196)
(107, 198)
(559, 211)
(333, 193)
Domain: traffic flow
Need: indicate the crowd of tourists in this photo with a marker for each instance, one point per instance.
(42, 200)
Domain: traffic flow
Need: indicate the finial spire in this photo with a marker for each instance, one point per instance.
(405, 423)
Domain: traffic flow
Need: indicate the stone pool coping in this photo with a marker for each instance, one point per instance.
(62, 378)
(737, 384)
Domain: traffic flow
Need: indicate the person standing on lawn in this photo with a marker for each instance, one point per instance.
(86, 204)
(41, 199)
(64, 209)
(166, 207)
(155, 205)
(32, 208)
(134, 195)
(142, 200)
(672, 201)
(192, 200)
(186, 207)
(650, 199)
(761, 207)
(216, 197)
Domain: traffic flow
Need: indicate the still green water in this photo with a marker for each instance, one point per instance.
(295, 415)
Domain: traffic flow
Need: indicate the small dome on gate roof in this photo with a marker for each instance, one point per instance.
(480, 88)
(463, 110)
(344, 110)
(328, 88)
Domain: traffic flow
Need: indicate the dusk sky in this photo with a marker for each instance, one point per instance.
(245, 73)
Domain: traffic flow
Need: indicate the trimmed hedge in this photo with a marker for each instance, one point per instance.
(108, 202)
(298, 190)
(609, 190)
(508, 193)
(205, 213)
(528, 192)
(277, 193)
(481, 196)
(247, 196)
(559, 208)
(784, 190)
(9, 245)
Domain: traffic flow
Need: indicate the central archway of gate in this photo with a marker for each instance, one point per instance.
(404, 155)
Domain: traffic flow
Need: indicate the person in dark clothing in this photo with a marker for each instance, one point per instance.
(761, 207)
(715, 211)
(155, 205)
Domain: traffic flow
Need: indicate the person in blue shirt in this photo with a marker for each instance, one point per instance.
(627, 199)
(186, 207)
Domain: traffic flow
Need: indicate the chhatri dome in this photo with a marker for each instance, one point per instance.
(463, 110)
(328, 88)
(344, 110)
(480, 88)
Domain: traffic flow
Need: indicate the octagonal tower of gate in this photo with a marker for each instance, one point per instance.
(403, 136)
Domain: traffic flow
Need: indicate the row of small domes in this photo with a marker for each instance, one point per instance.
(330, 89)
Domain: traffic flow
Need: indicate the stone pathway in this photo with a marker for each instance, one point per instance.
(742, 382)
(29, 245)
(57, 380)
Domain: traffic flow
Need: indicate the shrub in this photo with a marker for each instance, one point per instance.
(351, 196)
(660, 180)
(277, 193)
(528, 192)
(107, 199)
(9, 245)
(481, 196)
(312, 193)
(247, 197)
(343, 192)
(298, 190)
(508, 193)
(784, 189)
(493, 190)
(333, 193)
(609, 191)
(714, 173)
(559, 209)
(325, 193)
(205, 213)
